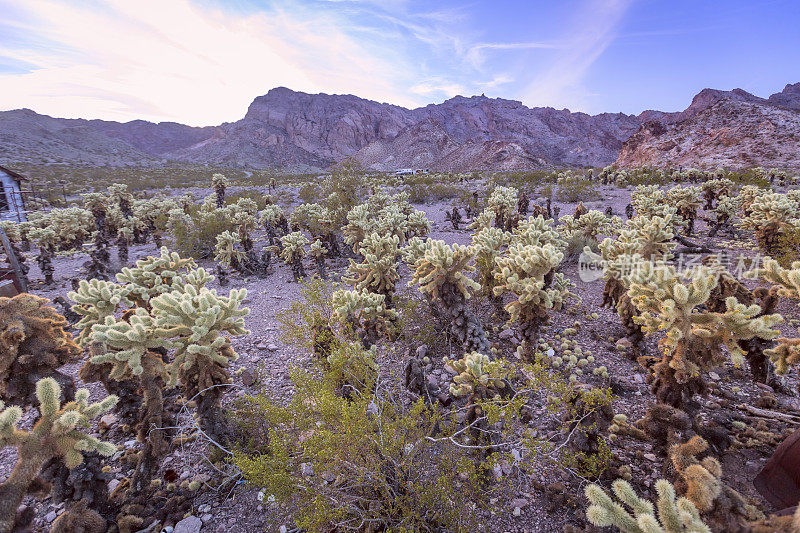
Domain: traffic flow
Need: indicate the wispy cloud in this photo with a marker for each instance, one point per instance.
(593, 30)
(203, 61)
(190, 64)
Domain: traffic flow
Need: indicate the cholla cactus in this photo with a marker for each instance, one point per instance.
(485, 220)
(503, 203)
(649, 201)
(675, 515)
(293, 251)
(538, 231)
(715, 189)
(46, 240)
(314, 218)
(56, 433)
(477, 376)
(748, 195)
(192, 322)
(319, 251)
(271, 217)
(642, 239)
(414, 251)
(529, 273)
(226, 252)
(440, 273)
(687, 202)
(378, 271)
(695, 336)
(359, 223)
(219, 182)
(589, 225)
(489, 244)
(417, 225)
(33, 345)
(787, 281)
(94, 301)
(365, 311)
(772, 216)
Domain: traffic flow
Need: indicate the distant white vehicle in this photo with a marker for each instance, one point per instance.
(404, 172)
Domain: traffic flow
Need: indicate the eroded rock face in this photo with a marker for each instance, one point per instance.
(729, 132)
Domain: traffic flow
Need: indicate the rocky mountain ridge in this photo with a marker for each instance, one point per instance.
(286, 128)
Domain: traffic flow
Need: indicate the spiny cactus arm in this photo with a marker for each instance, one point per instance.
(94, 301)
(785, 354)
(361, 305)
(674, 516)
(605, 512)
(787, 279)
(129, 341)
(484, 220)
(414, 250)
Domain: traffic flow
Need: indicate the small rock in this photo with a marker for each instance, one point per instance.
(167, 529)
(50, 516)
(206, 517)
(248, 378)
(190, 524)
(506, 334)
(517, 511)
(272, 347)
(422, 351)
(714, 376)
(306, 470)
(624, 345)
(107, 421)
(637, 378)
(204, 508)
(433, 383)
(113, 485)
(131, 443)
(650, 457)
(282, 529)
(498, 472)
(519, 502)
(261, 346)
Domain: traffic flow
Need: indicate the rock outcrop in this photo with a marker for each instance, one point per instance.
(728, 129)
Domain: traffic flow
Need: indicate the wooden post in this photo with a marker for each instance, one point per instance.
(12, 260)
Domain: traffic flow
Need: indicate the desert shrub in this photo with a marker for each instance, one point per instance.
(359, 463)
(574, 188)
(309, 192)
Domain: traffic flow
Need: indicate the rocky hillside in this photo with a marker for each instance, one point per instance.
(732, 129)
(285, 128)
(480, 132)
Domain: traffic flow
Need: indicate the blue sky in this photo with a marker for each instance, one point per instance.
(203, 61)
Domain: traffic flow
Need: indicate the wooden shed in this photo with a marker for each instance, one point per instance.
(12, 206)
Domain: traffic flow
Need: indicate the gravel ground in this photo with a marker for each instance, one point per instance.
(264, 352)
